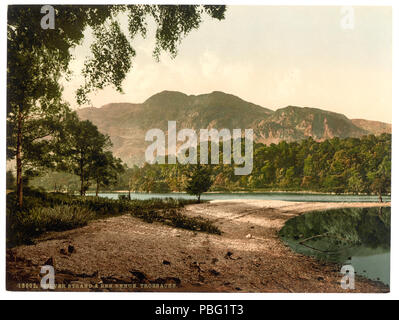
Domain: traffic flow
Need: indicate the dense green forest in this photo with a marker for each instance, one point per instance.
(349, 165)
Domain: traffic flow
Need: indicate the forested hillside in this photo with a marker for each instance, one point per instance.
(355, 165)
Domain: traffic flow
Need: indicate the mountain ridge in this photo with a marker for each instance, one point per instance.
(127, 123)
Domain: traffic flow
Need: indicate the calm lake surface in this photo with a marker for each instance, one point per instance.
(253, 196)
(354, 236)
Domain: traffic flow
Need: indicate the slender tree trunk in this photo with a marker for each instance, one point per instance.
(199, 198)
(380, 197)
(82, 180)
(81, 185)
(86, 186)
(97, 188)
(19, 160)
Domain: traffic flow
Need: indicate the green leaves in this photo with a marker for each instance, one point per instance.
(106, 169)
(199, 180)
(112, 53)
(112, 59)
(37, 59)
(82, 150)
(337, 165)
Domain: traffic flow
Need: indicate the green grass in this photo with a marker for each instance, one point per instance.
(23, 227)
(43, 212)
(175, 218)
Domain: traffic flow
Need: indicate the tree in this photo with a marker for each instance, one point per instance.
(10, 180)
(34, 108)
(37, 59)
(57, 181)
(355, 182)
(106, 169)
(198, 180)
(380, 180)
(81, 148)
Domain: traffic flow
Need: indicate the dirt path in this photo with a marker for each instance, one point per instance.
(126, 254)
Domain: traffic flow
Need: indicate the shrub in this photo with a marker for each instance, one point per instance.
(173, 217)
(24, 226)
(179, 220)
(44, 212)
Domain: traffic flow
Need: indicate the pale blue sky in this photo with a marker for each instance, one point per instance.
(274, 57)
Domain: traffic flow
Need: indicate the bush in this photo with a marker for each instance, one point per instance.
(44, 212)
(24, 226)
(175, 218)
(179, 220)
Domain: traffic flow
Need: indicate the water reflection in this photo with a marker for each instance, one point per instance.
(356, 236)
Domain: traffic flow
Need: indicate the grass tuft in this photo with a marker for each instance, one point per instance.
(43, 212)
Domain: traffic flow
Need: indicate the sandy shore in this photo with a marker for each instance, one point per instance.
(126, 254)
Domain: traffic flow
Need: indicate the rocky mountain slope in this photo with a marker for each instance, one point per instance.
(374, 127)
(128, 123)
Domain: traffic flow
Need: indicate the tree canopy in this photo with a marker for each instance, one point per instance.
(353, 165)
(199, 180)
(37, 58)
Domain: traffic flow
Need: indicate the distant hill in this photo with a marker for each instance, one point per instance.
(375, 127)
(127, 123)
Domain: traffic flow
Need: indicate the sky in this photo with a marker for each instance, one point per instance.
(320, 57)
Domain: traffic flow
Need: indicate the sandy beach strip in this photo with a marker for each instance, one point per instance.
(122, 250)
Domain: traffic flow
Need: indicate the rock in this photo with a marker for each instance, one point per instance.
(176, 233)
(71, 249)
(49, 262)
(214, 272)
(139, 275)
(248, 236)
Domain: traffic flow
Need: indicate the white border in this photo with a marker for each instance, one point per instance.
(208, 296)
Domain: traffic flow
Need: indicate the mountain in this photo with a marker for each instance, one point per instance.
(296, 123)
(127, 123)
(374, 127)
